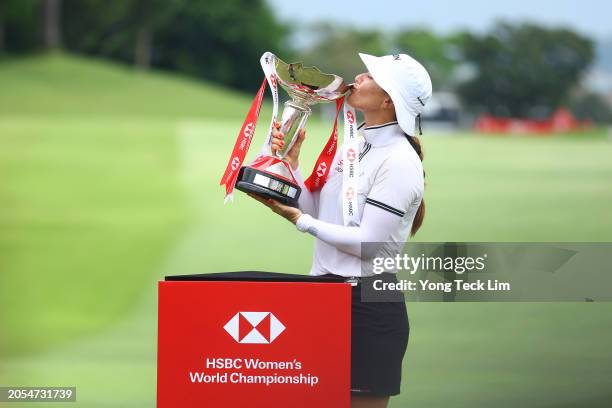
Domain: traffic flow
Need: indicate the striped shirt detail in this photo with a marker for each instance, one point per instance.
(381, 126)
(385, 207)
(366, 148)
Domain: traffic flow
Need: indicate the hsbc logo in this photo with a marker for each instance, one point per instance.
(350, 117)
(254, 327)
(249, 130)
(350, 193)
(235, 163)
(321, 169)
(351, 155)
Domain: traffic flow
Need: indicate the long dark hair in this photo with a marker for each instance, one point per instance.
(420, 214)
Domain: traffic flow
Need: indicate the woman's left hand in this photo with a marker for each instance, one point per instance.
(290, 213)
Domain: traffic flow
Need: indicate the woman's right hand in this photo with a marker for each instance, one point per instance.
(278, 142)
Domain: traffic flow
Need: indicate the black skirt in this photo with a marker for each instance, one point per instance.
(379, 337)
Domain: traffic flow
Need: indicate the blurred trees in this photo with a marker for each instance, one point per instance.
(122, 30)
(520, 70)
(591, 106)
(207, 39)
(147, 17)
(2, 18)
(439, 54)
(20, 25)
(221, 40)
(514, 70)
(198, 37)
(335, 49)
(53, 23)
(523, 70)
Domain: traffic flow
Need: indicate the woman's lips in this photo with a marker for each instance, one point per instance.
(347, 88)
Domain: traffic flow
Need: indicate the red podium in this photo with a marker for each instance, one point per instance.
(253, 339)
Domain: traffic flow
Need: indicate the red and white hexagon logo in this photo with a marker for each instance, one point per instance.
(350, 193)
(249, 129)
(321, 168)
(351, 155)
(235, 163)
(350, 117)
(254, 327)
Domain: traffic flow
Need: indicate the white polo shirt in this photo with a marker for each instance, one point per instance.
(391, 179)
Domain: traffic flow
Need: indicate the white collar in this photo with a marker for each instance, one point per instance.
(382, 135)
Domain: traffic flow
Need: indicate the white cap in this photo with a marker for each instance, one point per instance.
(407, 83)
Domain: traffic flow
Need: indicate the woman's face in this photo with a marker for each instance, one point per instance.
(366, 94)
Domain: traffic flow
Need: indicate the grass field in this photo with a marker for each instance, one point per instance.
(109, 180)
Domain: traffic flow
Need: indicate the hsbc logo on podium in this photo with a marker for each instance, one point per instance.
(254, 327)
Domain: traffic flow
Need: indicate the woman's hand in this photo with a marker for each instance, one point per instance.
(290, 213)
(278, 142)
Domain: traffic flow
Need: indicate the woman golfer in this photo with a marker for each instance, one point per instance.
(391, 97)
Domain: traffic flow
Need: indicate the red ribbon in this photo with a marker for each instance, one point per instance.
(243, 142)
(322, 167)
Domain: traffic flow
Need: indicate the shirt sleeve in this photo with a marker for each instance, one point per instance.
(377, 225)
(398, 183)
(307, 202)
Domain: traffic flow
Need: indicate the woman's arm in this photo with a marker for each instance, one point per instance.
(308, 202)
(398, 184)
(377, 225)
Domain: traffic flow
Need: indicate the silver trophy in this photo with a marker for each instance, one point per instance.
(271, 176)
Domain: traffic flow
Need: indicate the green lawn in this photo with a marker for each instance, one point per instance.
(109, 180)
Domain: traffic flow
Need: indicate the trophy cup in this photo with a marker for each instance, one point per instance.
(271, 176)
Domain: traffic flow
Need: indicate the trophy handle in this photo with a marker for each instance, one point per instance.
(292, 121)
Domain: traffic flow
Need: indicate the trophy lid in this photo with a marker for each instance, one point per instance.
(309, 83)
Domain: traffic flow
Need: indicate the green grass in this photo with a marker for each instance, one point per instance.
(60, 85)
(109, 180)
(518, 189)
(87, 212)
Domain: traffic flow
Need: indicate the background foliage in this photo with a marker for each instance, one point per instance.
(513, 70)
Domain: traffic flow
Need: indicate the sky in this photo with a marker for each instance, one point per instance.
(590, 17)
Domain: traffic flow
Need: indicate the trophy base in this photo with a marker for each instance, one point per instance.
(268, 185)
